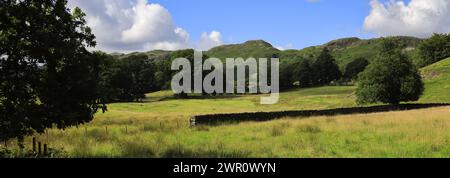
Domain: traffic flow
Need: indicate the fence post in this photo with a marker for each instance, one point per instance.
(46, 135)
(39, 148)
(126, 129)
(85, 131)
(106, 130)
(192, 122)
(45, 149)
(34, 144)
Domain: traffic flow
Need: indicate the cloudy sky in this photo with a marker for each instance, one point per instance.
(142, 25)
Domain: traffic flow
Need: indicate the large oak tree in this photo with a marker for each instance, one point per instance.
(48, 77)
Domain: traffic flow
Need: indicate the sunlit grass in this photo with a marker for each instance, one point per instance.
(417, 133)
(437, 81)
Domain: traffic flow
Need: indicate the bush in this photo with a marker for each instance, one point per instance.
(391, 78)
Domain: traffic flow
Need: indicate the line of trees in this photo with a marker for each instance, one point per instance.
(434, 49)
(129, 78)
(126, 79)
(306, 72)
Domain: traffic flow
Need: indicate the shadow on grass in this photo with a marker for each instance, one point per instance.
(173, 97)
(222, 119)
(198, 96)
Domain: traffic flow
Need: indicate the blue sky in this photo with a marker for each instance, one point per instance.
(143, 25)
(296, 22)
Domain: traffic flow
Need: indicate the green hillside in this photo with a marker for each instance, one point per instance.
(437, 82)
(347, 49)
(253, 48)
(344, 50)
(365, 48)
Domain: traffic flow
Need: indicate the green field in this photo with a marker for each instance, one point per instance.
(159, 127)
(418, 133)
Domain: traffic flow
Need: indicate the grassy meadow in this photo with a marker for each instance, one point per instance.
(159, 127)
(417, 133)
(437, 82)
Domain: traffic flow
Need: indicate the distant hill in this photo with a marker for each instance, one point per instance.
(437, 82)
(344, 50)
(347, 49)
(253, 48)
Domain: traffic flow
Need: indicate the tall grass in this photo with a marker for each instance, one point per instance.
(417, 133)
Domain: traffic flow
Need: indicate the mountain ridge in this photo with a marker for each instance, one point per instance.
(344, 50)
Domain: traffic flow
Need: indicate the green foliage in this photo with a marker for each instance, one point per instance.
(391, 78)
(347, 49)
(303, 73)
(186, 53)
(325, 68)
(434, 49)
(128, 78)
(47, 75)
(355, 67)
(286, 77)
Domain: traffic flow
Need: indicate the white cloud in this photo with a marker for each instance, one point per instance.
(286, 47)
(209, 40)
(136, 25)
(419, 18)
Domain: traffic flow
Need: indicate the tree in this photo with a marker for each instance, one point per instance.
(325, 68)
(48, 77)
(355, 67)
(107, 71)
(303, 73)
(434, 49)
(129, 78)
(142, 76)
(286, 76)
(390, 78)
(163, 74)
